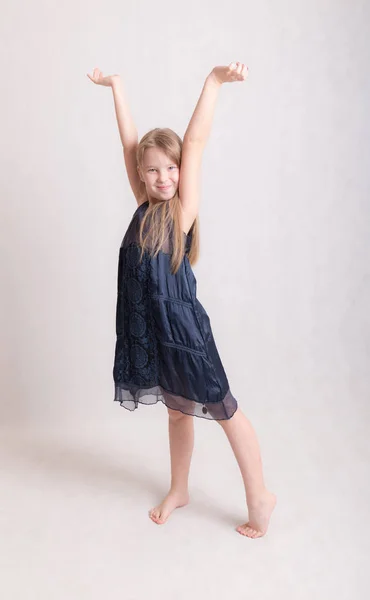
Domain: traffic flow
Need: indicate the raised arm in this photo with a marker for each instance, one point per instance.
(128, 134)
(126, 126)
(127, 130)
(196, 136)
(200, 123)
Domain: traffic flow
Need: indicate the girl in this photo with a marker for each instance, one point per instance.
(165, 348)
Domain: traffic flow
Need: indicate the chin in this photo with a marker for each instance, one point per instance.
(164, 199)
(161, 197)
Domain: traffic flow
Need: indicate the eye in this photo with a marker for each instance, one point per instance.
(173, 167)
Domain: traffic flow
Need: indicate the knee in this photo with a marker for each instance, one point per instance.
(225, 423)
(177, 415)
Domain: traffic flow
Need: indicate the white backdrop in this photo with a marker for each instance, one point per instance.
(284, 268)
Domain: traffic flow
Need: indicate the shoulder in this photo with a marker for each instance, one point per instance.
(142, 206)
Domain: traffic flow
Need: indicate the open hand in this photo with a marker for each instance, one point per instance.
(233, 72)
(97, 77)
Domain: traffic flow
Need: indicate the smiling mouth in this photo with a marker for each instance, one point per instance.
(165, 187)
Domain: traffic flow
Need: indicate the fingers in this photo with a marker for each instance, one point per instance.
(244, 72)
(92, 78)
(238, 71)
(241, 71)
(95, 75)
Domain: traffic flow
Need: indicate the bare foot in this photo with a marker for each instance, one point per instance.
(173, 500)
(259, 517)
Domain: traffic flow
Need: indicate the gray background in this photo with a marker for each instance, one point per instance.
(284, 275)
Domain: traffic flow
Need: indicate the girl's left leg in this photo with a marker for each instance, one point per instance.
(260, 501)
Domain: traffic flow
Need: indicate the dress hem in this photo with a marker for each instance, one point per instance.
(132, 404)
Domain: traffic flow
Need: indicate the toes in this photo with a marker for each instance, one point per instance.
(248, 531)
(156, 517)
(153, 515)
(159, 520)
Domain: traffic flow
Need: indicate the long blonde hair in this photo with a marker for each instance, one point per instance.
(162, 217)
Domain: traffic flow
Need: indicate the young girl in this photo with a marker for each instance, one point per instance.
(165, 348)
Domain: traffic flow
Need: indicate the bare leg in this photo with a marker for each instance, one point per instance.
(181, 437)
(260, 501)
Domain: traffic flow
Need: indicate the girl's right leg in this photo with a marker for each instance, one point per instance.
(181, 438)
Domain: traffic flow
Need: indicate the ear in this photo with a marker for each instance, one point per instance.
(139, 172)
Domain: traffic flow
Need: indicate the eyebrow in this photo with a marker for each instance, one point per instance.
(154, 166)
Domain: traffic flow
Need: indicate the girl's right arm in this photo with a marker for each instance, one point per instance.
(127, 130)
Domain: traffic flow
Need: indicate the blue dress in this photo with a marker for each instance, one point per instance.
(165, 349)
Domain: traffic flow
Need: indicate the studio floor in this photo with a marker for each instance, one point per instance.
(74, 515)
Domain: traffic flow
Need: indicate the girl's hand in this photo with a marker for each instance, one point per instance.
(97, 77)
(233, 72)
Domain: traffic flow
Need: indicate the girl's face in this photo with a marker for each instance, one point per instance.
(160, 175)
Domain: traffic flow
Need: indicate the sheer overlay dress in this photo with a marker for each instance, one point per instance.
(165, 349)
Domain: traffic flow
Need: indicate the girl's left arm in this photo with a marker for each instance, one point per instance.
(200, 123)
(197, 135)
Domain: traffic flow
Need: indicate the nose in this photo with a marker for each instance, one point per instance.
(162, 177)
